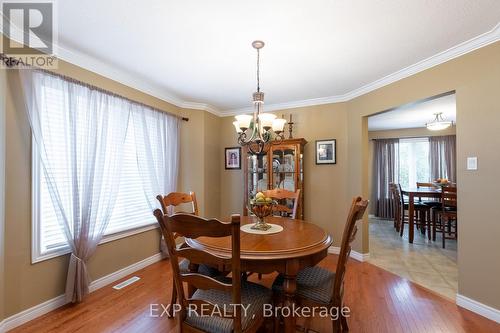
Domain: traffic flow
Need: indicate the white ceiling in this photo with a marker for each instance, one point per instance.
(414, 115)
(198, 53)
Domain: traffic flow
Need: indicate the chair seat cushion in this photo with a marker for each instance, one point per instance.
(313, 283)
(202, 269)
(431, 203)
(253, 298)
(417, 205)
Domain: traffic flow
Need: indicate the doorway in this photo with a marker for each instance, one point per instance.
(402, 151)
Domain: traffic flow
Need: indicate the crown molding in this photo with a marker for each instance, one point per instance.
(122, 76)
(456, 51)
(289, 105)
(119, 75)
(201, 106)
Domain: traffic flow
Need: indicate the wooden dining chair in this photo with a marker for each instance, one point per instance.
(319, 287)
(446, 221)
(395, 202)
(422, 212)
(283, 197)
(428, 201)
(199, 311)
(432, 203)
(173, 200)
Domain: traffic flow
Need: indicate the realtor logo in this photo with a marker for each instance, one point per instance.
(29, 32)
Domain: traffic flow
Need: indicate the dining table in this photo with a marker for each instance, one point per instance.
(417, 192)
(299, 245)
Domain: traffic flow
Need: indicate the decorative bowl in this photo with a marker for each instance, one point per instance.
(261, 210)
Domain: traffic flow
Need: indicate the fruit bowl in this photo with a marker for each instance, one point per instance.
(261, 207)
(441, 182)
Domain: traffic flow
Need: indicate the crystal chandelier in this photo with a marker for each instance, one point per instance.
(439, 123)
(256, 131)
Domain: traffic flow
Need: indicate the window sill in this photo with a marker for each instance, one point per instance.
(104, 240)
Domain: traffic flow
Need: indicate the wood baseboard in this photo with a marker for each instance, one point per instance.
(479, 308)
(354, 254)
(54, 303)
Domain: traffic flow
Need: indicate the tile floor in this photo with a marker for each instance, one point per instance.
(424, 262)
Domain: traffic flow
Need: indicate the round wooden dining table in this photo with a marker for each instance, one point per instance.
(301, 244)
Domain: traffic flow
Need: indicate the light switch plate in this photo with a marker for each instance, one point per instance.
(471, 163)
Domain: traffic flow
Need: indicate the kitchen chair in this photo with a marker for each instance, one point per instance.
(446, 221)
(199, 311)
(431, 203)
(174, 199)
(283, 198)
(421, 212)
(317, 286)
(167, 203)
(395, 202)
(428, 201)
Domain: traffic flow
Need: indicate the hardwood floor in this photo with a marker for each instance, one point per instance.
(380, 302)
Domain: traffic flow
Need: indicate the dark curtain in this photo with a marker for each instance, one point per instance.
(385, 171)
(443, 157)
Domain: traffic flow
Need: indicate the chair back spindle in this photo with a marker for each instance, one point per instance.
(191, 226)
(282, 196)
(174, 199)
(449, 197)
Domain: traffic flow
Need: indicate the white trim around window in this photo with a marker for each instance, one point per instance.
(36, 254)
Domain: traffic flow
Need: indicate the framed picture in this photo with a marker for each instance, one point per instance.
(326, 151)
(233, 158)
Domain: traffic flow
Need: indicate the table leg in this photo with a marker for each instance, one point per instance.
(289, 289)
(411, 213)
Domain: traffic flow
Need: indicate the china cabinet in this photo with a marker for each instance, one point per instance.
(281, 167)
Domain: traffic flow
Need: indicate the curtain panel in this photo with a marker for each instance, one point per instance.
(157, 138)
(79, 133)
(443, 157)
(385, 171)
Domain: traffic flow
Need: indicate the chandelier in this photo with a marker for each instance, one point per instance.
(439, 123)
(256, 131)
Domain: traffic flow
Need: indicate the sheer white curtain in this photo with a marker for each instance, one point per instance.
(157, 137)
(81, 163)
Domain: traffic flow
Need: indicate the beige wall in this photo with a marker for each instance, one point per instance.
(31, 284)
(324, 185)
(476, 79)
(200, 160)
(2, 187)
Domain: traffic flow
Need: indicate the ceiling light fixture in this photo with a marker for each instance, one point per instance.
(256, 131)
(439, 123)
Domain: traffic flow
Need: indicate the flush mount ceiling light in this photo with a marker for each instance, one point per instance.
(439, 123)
(256, 131)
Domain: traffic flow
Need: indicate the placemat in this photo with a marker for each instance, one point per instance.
(275, 228)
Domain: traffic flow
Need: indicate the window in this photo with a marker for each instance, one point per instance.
(132, 212)
(413, 161)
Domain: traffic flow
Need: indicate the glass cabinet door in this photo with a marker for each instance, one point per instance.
(284, 168)
(281, 167)
(257, 174)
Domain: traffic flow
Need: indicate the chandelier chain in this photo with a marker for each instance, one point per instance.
(258, 70)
